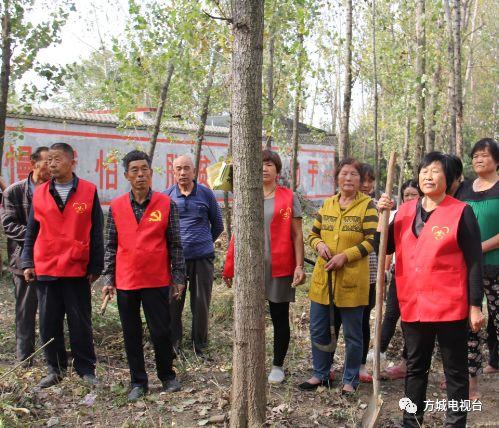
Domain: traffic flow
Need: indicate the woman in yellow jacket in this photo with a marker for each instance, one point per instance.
(343, 236)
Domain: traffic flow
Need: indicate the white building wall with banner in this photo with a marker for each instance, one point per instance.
(100, 143)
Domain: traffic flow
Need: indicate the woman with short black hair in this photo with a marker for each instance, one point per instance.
(439, 284)
(482, 194)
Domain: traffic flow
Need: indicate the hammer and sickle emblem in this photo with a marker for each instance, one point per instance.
(80, 207)
(155, 216)
(439, 232)
(285, 213)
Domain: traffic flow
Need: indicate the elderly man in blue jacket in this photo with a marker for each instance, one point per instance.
(200, 225)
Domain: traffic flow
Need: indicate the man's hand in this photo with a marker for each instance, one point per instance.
(337, 262)
(177, 290)
(477, 320)
(324, 251)
(108, 290)
(228, 281)
(29, 274)
(298, 277)
(92, 277)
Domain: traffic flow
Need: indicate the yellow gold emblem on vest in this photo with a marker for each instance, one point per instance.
(80, 207)
(285, 213)
(439, 232)
(155, 216)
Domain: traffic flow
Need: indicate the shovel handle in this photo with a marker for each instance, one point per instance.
(105, 301)
(380, 278)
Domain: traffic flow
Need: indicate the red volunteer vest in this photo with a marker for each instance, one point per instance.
(281, 247)
(430, 271)
(62, 247)
(142, 258)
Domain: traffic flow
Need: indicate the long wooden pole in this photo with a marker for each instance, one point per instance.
(380, 278)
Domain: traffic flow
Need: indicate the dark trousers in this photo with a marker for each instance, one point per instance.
(155, 304)
(392, 315)
(491, 288)
(492, 343)
(453, 341)
(200, 282)
(68, 297)
(279, 312)
(26, 306)
(366, 318)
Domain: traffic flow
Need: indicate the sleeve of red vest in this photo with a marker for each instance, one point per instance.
(229, 260)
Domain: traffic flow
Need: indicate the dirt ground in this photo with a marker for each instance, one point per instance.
(204, 399)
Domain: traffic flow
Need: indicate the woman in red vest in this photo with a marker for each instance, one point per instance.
(283, 256)
(438, 274)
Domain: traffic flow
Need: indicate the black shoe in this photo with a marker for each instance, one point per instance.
(306, 386)
(90, 380)
(136, 393)
(50, 380)
(171, 385)
(206, 358)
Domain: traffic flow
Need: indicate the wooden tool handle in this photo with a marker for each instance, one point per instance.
(105, 301)
(380, 277)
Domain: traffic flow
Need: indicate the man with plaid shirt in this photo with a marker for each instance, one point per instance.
(14, 213)
(144, 262)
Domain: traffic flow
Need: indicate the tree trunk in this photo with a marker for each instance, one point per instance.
(248, 401)
(458, 78)
(435, 92)
(405, 149)
(204, 111)
(469, 63)
(161, 107)
(296, 116)
(419, 138)
(316, 91)
(452, 76)
(270, 89)
(4, 76)
(228, 210)
(344, 143)
(375, 102)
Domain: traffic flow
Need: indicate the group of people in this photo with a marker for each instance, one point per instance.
(156, 244)
(444, 235)
(445, 238)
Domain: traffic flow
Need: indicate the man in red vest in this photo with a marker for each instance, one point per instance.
(64, 252)
(144, 262)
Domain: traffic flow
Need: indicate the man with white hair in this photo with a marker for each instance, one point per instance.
(200, 225)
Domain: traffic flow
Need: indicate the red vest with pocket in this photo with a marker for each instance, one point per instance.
(430, 271)
(281, 245)
(62, 247)
(142, 259)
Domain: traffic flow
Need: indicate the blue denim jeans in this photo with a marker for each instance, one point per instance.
(320, 333)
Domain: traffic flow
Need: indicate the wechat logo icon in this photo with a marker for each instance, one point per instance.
(407, 405)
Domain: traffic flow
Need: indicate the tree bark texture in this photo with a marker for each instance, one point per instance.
(451, 92)
(228, 210)
(204, 111)
(161, 108)
(270, 89)
(469, 64)
(248, 401)
(375, 104)
(436, 82)
(344, 142)
(419, 137)
(296, 116)
(405, 149)
(458, 78)
(5, 75)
